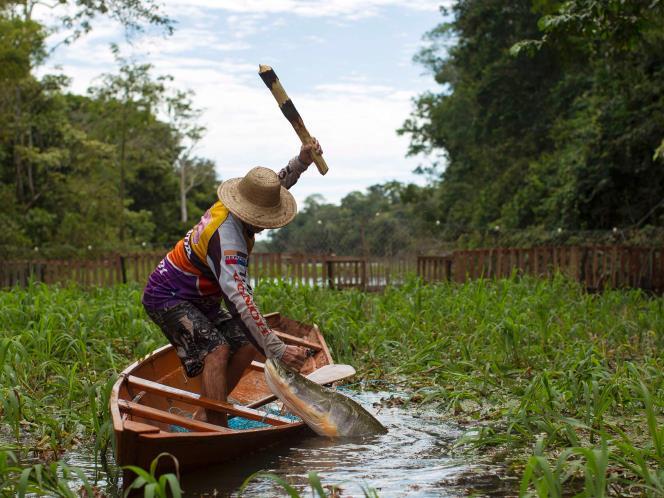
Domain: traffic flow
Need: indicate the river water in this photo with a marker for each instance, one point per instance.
(412, 459)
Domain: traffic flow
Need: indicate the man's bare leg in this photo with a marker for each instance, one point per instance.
(214, 382)
(239, 361)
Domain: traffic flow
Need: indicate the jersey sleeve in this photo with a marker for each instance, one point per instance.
(289, 175)
(228, 259)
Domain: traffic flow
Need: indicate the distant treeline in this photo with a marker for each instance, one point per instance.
(548, 127)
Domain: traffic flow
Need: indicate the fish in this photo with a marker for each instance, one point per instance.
(325, 411)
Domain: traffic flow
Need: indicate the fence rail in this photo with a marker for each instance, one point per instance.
(337, 272)
(105, 271)
(596, 267)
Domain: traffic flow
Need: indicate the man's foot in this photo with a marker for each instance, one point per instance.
(217, 418)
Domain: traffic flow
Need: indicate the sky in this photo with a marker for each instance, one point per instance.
(346, 64)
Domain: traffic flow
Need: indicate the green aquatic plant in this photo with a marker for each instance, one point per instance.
(154, 485)
(513, 361)
(318, 490)
(50, 479)
(516, 360)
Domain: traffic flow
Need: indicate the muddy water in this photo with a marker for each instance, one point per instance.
(412, 459)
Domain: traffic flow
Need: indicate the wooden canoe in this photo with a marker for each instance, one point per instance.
(151, 396)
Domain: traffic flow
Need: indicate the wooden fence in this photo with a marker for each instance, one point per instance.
(337, 272)
(102, 272)
(597, 267)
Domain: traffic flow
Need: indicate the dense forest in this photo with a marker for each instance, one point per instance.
(551, 113)
(547, 126)
(112, 169)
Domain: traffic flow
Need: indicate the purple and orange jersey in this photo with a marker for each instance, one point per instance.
(210, 264)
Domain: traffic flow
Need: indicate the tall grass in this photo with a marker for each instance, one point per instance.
(60, 352)
(531, 367)
(538, 371)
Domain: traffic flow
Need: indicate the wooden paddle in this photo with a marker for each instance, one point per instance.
(326, 374)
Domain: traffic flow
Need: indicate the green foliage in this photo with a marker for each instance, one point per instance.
(60, 351)
(514, 361)
(52, 479)
(550, 114)
(21, 47)
(100, 170)
(155, 486)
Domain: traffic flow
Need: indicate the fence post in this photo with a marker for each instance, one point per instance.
(123, 269)
(330, 272)
(364, 273)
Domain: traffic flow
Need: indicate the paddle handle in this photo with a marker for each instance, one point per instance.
(288, 109)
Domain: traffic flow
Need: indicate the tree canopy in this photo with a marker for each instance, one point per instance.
(550, 113)
(97, 171)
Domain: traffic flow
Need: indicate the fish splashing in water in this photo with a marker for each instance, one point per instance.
(327, 412)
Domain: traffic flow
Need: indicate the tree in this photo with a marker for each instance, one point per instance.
(607, 146)
(191, 171)
(493, 112)
(130, 101)
(77, 171)
(75, 17)
(549, 113)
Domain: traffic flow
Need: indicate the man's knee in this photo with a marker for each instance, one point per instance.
(246, 349)
(219, 356)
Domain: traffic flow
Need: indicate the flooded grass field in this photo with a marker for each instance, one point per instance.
(562, 388)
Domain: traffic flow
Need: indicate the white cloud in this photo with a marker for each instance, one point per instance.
(315, 39)
(244, 25)
(352, 89)
(246, 128)
(354, 117)
(190, 40)
(350, 9)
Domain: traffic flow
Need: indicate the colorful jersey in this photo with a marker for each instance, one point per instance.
(210, 264)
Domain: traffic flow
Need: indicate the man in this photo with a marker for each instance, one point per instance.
(210, 264)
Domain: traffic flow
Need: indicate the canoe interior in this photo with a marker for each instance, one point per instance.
(140, 438)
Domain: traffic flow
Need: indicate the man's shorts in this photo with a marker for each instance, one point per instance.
(194, 335)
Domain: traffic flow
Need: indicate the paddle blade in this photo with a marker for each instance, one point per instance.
(331, 373)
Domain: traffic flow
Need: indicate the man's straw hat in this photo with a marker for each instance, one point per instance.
(258, 199)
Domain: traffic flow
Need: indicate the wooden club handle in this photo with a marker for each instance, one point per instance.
(287, 107)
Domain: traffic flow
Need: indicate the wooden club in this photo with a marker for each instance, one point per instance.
(287, 107)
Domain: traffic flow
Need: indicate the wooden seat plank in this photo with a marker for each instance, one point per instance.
(139, 427)
(150, 413)
(207, 403)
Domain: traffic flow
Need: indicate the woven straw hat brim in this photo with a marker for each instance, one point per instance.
(253, 214)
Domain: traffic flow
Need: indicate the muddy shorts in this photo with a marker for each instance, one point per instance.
(194, 335)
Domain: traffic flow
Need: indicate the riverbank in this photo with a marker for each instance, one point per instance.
(554, 383)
